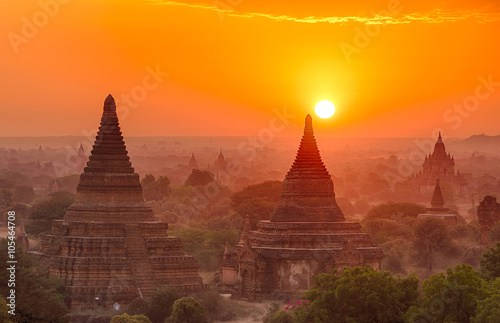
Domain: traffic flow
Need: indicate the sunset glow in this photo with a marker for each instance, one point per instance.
(324, 109)
(404, 68)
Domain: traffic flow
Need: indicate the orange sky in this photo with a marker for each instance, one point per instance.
(392, 68)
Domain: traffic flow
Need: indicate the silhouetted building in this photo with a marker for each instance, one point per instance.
(437, 209)
(193, 164)
(109, 247)
(439, 164)
(307, 234)
(221, 162)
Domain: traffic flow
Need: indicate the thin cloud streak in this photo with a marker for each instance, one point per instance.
(433, 17)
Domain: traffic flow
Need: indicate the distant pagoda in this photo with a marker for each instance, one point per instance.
(307, 234)
(109, 247)
(193, 164)
(439, 164)
(437, 209)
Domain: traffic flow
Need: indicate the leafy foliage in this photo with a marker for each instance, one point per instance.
(161, 305)
(187, 309)
(125, 318)
(431, 235)
(207, 246)
(392, 210)
(23, 193)
(488, 310)
(199, 178)
(281, 316)
(155, 189)
(52, 208)
(490, 263)
(450, 298)
(495, 232)
(257, 201)
(39, 297)
(337, 297)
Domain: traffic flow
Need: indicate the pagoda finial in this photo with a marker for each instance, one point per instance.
(437, 200)
(439, 137)
(246, 230)
(308, 193)
(109, 104)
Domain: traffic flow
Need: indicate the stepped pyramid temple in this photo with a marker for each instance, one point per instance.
(307, 234)
(109, 247)
(440, 165)
(437, 209)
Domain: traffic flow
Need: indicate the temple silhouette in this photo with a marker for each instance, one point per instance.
(109, 248)
(307, 234)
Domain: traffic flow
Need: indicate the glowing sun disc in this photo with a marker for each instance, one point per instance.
(324, 109)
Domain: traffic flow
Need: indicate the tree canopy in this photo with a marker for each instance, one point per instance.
(187, 309)
(199, 178)
(452, 297)
(44, 212)
(155, 189)
(39, 297)
(391, 210)
(490, 263)
(336, 297)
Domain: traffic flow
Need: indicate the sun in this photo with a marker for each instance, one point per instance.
(324, 109)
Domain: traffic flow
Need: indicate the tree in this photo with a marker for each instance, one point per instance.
(39, 297)
(187, 309)
(4, 314)
(199, 178)
(495, 232)
(269, 191)
(431, 235)
(137, 306)
(161, 304)
(155, 189)
(125, 318)
(452, 297)
(358, 295)
(281, 316)
(52, 208)
(23, 193)
(257, 201)
(488, 310)
(392, 210)
(490, 263)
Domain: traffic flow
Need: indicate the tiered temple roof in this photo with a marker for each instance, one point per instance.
(308, 194)
(109, 247)
(307, 234)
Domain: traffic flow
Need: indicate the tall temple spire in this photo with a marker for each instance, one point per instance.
(193, 164)
(437, 200)
(246, 229)
(109, 182)
(308, 193)
(439, 148)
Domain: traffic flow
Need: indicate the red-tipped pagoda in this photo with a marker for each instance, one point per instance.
(307, 234)
(109, 247)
